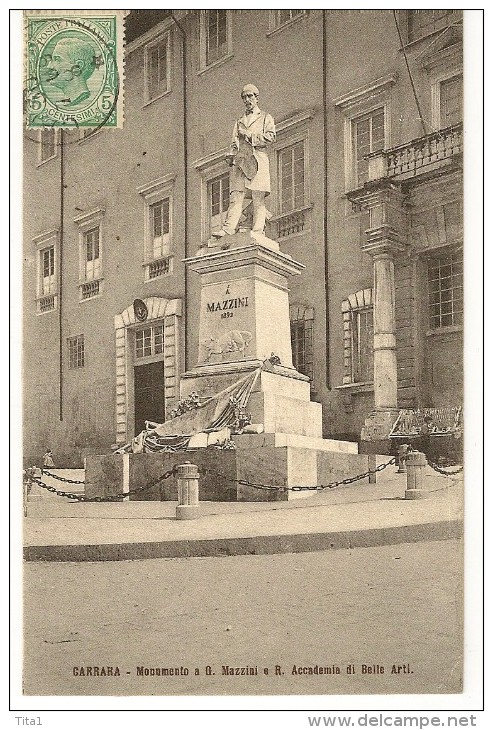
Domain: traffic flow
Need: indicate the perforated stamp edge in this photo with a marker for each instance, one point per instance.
(105, 108)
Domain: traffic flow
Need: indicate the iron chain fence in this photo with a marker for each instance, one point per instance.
(110, 498)
(243, 482)
(315, 488)
(444, 472)
(60, 478)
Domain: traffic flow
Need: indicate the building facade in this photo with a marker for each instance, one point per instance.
(366, 192)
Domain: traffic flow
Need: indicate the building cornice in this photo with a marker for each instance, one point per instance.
(156, 185)
(153, 34)
(90, 217)
(286, 125)
(202, 163)
(354, 97)
(45, 236)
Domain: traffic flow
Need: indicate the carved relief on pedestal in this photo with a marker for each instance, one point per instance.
(234, 341)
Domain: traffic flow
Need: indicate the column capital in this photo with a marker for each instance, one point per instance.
(383, 242)
(376, 192)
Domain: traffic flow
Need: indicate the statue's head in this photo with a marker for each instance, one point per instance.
(249, 94)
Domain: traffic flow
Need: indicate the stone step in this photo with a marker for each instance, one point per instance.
(255, 441)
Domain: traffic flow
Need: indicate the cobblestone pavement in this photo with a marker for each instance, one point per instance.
(381, 607)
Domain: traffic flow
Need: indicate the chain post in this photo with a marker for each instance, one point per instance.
(26, 488)
(415, 468)
(188, 492)
(372, 465)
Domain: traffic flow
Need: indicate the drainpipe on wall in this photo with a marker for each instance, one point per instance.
(185, 180)
(325, 206)
(60, 279)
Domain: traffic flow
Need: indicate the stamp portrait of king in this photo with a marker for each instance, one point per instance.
(74, 70)
(69, 70)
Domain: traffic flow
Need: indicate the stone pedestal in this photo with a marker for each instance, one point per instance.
(223, 473)
(244, 307)
(244, 320)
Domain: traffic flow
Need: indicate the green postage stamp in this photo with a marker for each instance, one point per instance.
(73, 68)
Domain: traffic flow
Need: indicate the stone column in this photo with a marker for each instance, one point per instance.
(385, 237)
(385, 361)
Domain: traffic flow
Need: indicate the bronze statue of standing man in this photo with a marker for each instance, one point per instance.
(247, 157)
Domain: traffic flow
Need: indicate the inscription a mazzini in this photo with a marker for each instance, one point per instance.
(227, 304)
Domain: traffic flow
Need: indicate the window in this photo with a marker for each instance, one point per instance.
(422, 22)
(215, 37)
(218, 201)
(291, 177)
(157, 68)
(445, 287)
(362, 345)
(47, 144)
(214, 192)
(47, 276)
(149, 341)
(357, 312)
(159, 228)
(301, 318)
(279, 18)
(158, 216)
(90, 254)
(48, 283)
(367, 122)
(450, 101)
(75, 352)
(368, 135)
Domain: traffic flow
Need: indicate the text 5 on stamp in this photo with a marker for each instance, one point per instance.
(74, 69)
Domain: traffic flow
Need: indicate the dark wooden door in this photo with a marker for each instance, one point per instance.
(148, 394)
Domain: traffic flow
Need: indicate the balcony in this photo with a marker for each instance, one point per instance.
(158, 267)
(46, 303)
(289, 224)
(90, 289)
(422, 156)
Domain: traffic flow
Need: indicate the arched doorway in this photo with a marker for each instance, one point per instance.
(148, 364)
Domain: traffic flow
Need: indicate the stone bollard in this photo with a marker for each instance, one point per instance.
(372, 464)
(402, 452)
(26, 488)
(415, 467)
(188, 492)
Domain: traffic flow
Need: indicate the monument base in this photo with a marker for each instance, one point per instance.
(244, 327)
(280, 398)
(224, 475)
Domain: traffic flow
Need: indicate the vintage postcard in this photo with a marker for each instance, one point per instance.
(243, 303)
